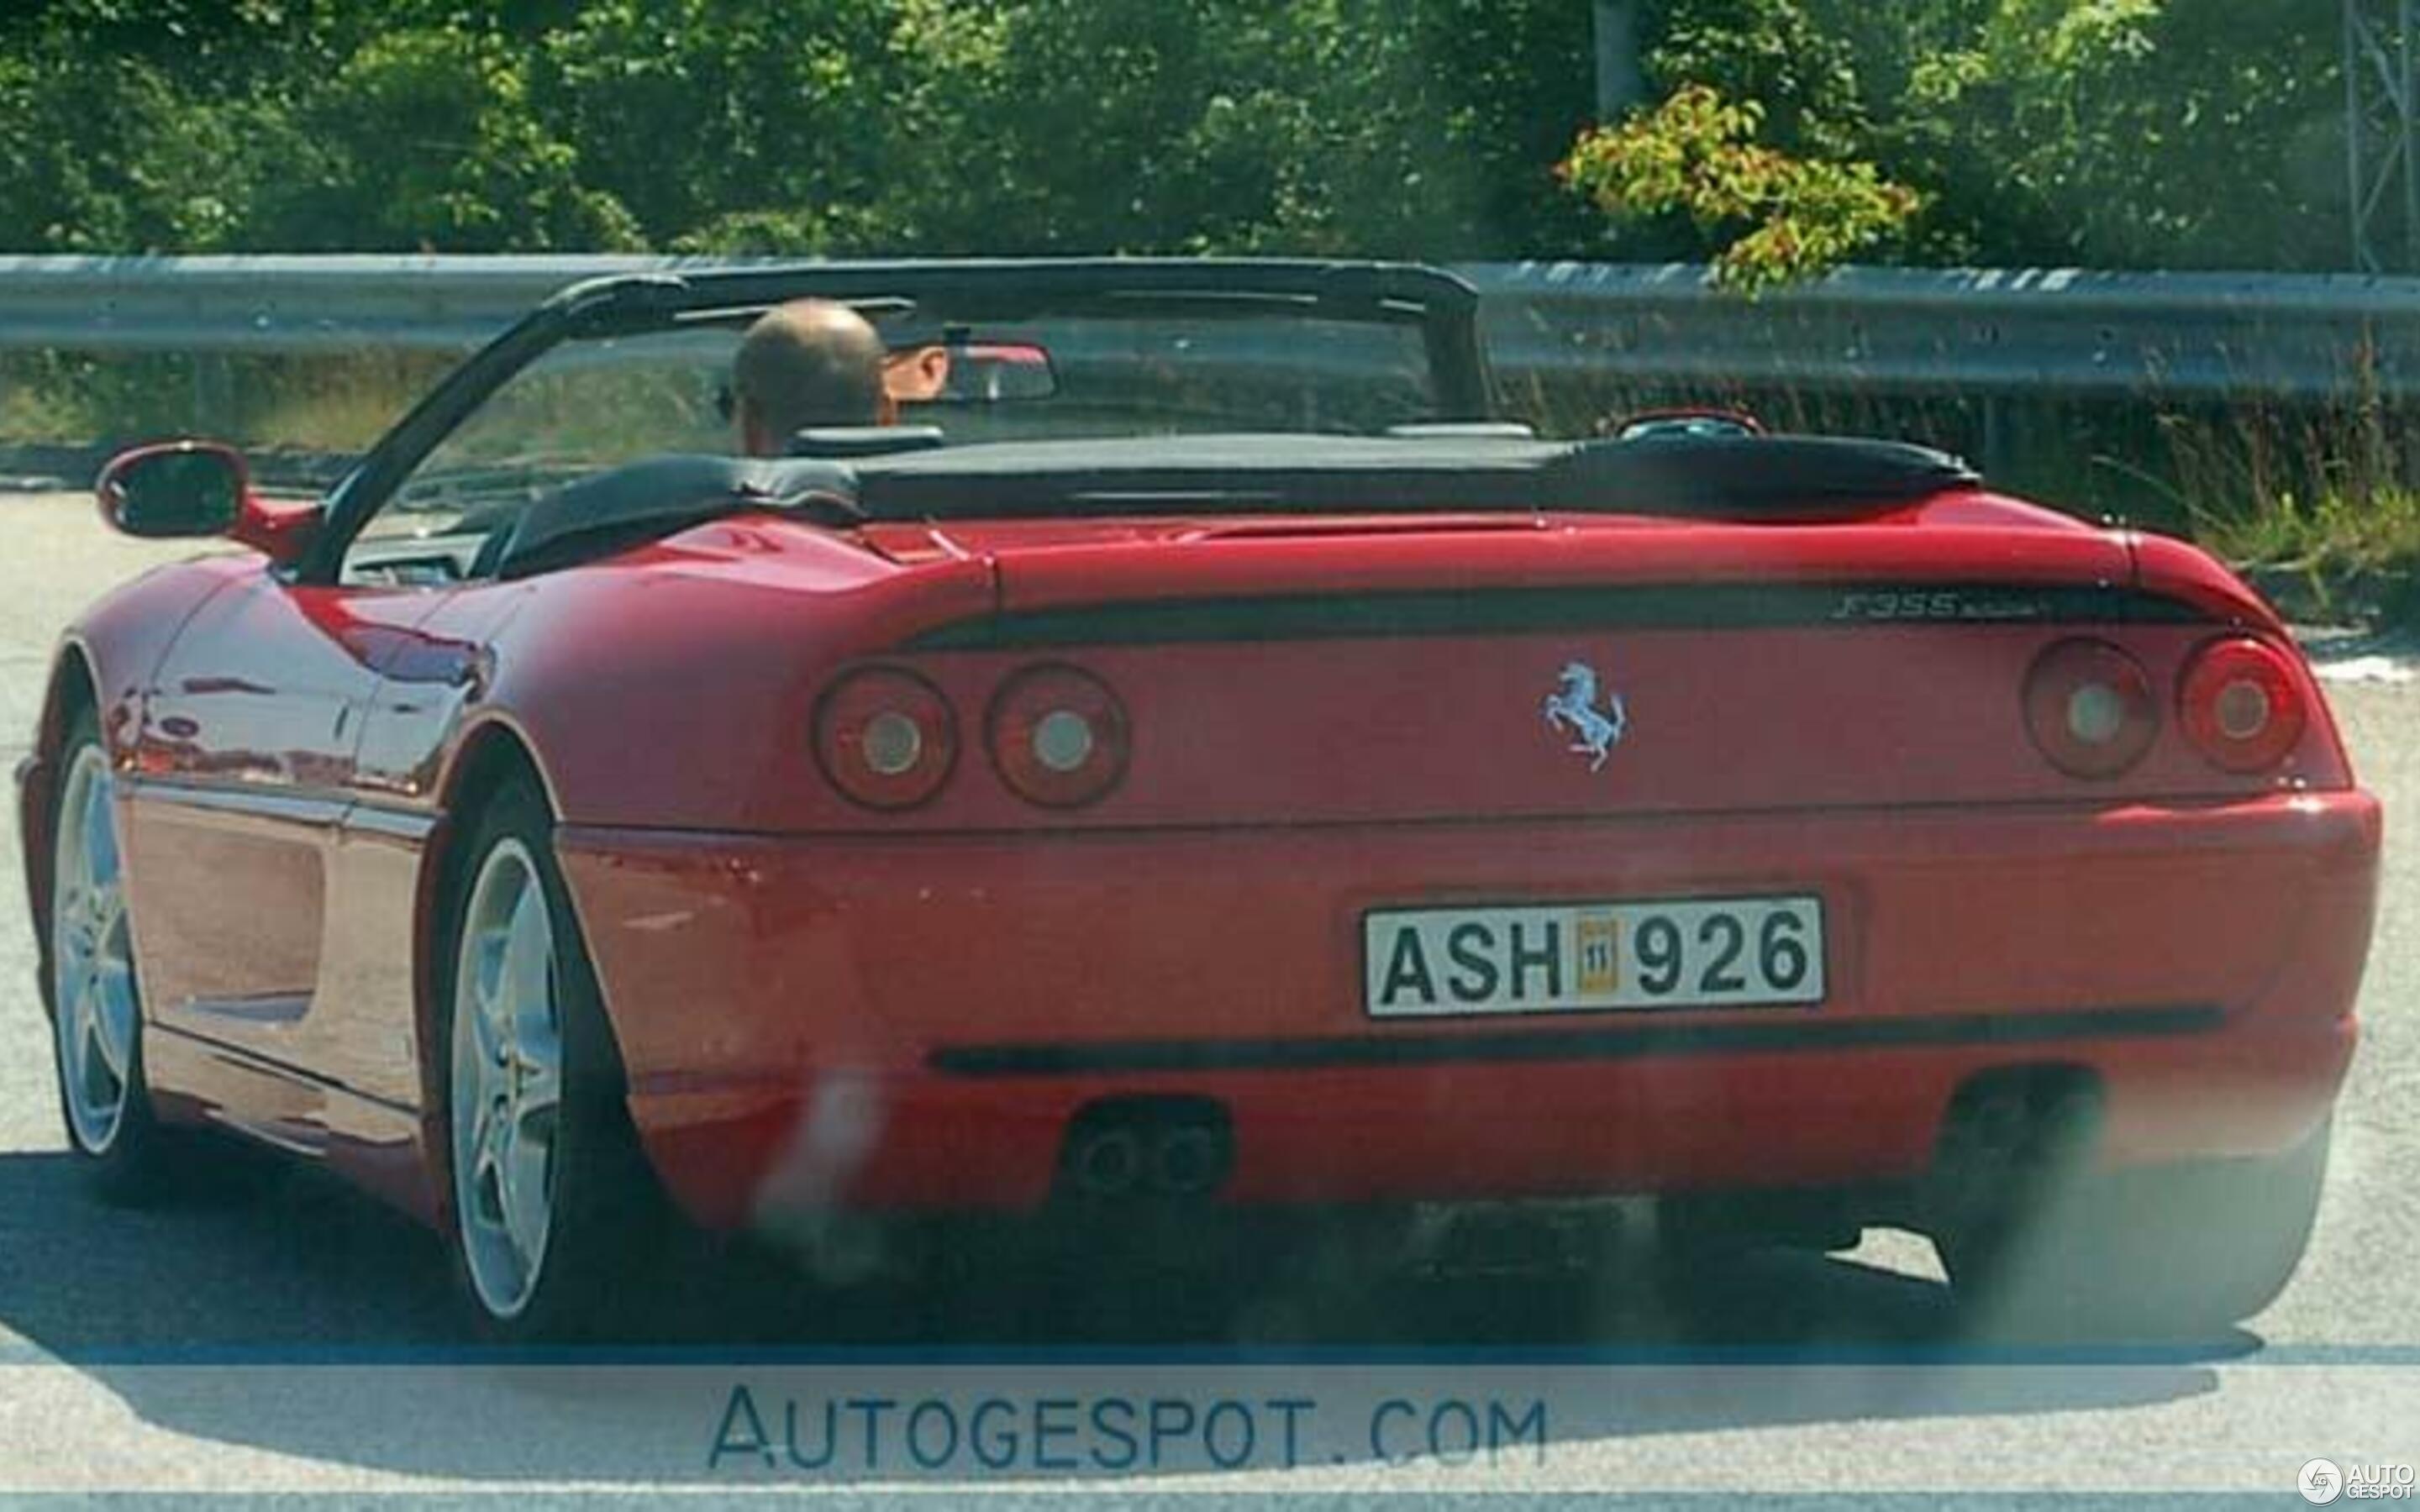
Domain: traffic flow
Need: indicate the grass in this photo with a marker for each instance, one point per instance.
(34, 408)
(337, 409)
(2333, 534)
(332, 403)
(2334, 560)
(2321, 507)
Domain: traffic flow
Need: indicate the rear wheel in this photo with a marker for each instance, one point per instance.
(95, 1005)
(2186, 1249)
(552, 1210)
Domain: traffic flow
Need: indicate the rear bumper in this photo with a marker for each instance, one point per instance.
(913, 1021)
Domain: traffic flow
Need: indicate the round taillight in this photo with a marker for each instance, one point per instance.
(1058, 736)
(2089, 708)
(2242, 704)
(886, 738)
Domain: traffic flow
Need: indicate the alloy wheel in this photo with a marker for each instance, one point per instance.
(506, 1091)
(92, 959)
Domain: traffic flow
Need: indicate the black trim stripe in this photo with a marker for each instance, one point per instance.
(1530, 611)
(1803, 1030)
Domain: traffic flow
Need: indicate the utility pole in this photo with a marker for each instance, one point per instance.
(1619, 81)
(2382, 131)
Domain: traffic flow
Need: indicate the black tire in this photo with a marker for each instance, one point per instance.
(606, 1222)
(132, 1162)
(2172, 1251)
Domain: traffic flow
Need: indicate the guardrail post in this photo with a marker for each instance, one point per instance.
(1999, 441)
(213, 412)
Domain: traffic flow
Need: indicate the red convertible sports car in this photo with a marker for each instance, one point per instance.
(1220, 766)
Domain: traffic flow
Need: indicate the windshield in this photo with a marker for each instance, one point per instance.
(590, 404)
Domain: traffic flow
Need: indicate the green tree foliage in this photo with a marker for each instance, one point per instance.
(753, 124)
(427, 136)
(2109, 132)
(1783, 217)
(2125, 132)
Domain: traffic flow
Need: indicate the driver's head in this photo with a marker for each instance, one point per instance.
(807, 362)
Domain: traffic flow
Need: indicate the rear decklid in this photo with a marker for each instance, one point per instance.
(1284, 666)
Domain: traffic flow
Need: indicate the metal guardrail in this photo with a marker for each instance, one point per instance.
(2063, 332)
(2200, 337)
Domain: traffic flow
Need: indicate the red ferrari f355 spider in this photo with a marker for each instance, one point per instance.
(1220, 763)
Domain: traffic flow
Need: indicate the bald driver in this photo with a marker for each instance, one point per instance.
(806, 364)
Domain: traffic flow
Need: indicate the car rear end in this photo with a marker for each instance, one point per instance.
(1374, 861)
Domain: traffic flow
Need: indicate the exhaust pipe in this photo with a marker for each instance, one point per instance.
(2012, 1138)
(1106, 1165)
(1131, 1148)
(1186, 1161)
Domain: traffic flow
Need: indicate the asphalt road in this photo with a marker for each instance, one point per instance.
(276, 1332)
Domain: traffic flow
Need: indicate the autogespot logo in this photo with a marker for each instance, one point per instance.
(2322, 1481)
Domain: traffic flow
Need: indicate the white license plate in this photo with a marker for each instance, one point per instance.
(1696, 953)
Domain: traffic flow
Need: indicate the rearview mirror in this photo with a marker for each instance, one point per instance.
(974, 372)
(179, 488)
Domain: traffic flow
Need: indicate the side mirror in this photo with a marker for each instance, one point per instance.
(186, 489)
(175, 489)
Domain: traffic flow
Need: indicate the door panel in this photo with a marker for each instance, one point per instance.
(246, 763)
(432, 680)
(227, 892)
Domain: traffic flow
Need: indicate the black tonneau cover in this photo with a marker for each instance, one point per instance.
(1747, 478)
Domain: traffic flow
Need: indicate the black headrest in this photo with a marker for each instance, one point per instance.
(864, 440)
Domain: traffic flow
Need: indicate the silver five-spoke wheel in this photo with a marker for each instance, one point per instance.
(92, 959)
(507, 1081)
